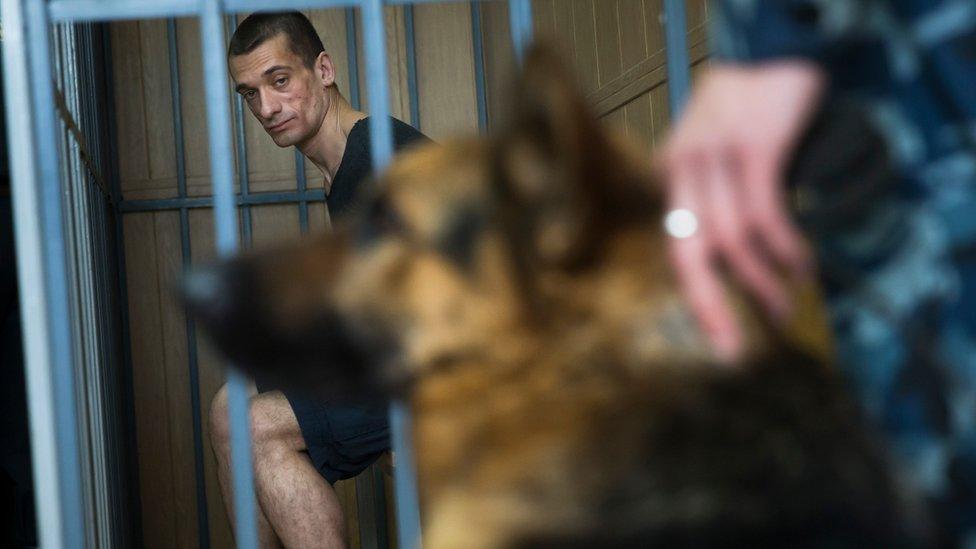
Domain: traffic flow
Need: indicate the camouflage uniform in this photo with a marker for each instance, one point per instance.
(900, 273)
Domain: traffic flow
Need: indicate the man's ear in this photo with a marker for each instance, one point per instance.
(324, 69)
(553, 161)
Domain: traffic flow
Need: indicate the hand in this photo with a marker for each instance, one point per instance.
(724, 163)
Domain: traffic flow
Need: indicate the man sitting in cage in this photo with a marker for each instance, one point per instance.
(302, 446)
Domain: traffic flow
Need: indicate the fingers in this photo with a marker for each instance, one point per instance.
(731, 235)
(723, 162)
(691, 257)
(768, 214)
(743, 225)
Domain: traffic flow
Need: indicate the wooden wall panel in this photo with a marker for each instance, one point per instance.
(615, 120)
(156, 91)
(543, 19)
(499, 61)
(608, 58)
(653, 28)
(659, 113)
(318, 218)
(196, 148)
(633, 41)
(395, 60)
(179, 415)
(274, 224)
(149, 383)
(564, 34)
(696, 14)
(639, 121)
(129, 104)
(445, 70)
(584, 25)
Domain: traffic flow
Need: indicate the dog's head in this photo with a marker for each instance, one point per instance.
(515, 290)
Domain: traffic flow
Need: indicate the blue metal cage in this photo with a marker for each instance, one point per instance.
(39, 215)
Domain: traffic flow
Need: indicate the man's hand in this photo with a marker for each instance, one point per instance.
(724, 164)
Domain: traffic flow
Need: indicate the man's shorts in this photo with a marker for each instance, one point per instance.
(342, 438)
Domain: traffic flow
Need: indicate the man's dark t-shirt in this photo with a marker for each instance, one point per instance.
(357, 163)
(343, 438)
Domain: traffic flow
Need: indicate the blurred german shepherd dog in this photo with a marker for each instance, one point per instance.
(514, 290)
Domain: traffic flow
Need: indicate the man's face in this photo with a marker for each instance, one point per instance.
(288, 98)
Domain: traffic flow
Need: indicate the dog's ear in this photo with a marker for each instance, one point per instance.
(555, 165)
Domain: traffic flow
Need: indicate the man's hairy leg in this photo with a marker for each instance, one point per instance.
(297, 507)
(300, 505)
(267, 539)
(220, 439)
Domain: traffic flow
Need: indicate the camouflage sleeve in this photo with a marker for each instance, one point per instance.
(763, 29)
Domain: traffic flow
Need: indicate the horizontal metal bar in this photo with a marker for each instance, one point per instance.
(115, 10)
(112, 10)
(279, 5)
(403, 2)
(133, 206)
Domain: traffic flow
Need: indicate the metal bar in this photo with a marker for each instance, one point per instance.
(134, 206)
(520, 19)
(203, 519)
(374, 40)
(174, 86)
(477, 42)
(302, 187)
(225, 222)
(411, 45)
(381, 144)
(264, 5)
(676, 50)
(243, 179)
(117, 10)
(42, 274)
(352, 49)
(133, 501)
(114, 10)
(403, 2)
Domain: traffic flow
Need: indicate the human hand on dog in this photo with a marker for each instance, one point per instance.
(724, 163)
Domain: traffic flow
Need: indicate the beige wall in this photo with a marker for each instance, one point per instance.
(616, 46)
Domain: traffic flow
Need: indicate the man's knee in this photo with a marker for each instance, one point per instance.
(272, 421)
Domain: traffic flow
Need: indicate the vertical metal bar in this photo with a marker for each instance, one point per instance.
(352, 49)
(676, 42)
(131, 512)
(243, 179)
(381, 143)
(174, 86)
(477, 43)
(520, 19)
(374, 40)
(203, 519)
(79, 247)
(42, 272)
(302, 186)
(411, 45)
(226, 226)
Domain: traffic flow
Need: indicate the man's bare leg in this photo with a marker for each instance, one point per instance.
(297, 507)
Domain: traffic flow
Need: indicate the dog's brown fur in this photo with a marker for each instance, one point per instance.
(515, 290)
